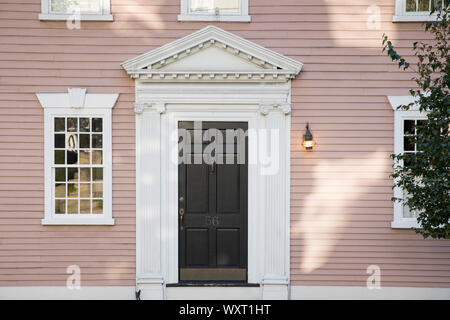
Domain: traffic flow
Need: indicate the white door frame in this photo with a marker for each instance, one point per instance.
(159, 107)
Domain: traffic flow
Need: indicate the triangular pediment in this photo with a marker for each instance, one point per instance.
(212, 54)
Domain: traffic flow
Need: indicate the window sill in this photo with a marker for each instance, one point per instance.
(405, 224)
(83, 17)
(219, 18)
(78, 222)
(413, 18)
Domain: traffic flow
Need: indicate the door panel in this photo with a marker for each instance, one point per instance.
(212, 210)
(197, 247)
(197, 186)
(228, 242)
(228, 188)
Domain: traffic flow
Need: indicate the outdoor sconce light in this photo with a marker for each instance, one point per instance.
(308, 141)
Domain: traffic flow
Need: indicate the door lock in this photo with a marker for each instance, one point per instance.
(181, 212)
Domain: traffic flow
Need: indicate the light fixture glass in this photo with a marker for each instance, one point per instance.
(308, 141)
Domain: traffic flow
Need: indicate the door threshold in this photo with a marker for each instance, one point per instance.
(211, 284)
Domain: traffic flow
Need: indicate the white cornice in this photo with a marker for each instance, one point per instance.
(77, 98)
(270, 66)
(397, 101)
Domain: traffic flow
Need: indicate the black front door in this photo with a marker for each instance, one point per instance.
(212, 187)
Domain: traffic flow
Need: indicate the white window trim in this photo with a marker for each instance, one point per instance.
(399, 221)
(242, 16)
(402, 16)
(105, 15)
(77, 103)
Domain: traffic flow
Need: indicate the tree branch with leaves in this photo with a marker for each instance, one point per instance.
(424, 175)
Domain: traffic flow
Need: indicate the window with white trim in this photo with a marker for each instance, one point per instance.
(78, 157)
(406, 125)
(77, 167)
(94, 10)
(214, 10)
(416, 10)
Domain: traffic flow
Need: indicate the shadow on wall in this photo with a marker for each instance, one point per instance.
(346, 181)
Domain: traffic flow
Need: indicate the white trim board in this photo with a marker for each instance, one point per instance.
(63, 293)
(363, 293)
(238, 293)
(264, 65)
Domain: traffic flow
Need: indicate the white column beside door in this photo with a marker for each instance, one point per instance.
(276, 269)
(148, 201)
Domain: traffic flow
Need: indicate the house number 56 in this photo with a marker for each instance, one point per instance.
(212, 220)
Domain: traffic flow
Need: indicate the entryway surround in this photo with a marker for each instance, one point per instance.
(212, 75)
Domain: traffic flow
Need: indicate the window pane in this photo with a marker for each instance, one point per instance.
(60, 157)
(85, 157)
(85, 190)
(97, 206)
(72, 141)
(60, 206)
(97, 141)
(85, 174)
(97, 190)
(97, 174)
(85, 206)
(97, 125)
(408, 127)
(84, 141)
(69, 6)
(420, 123)
(72, 157)
(60, 190)
(60, 140)
(84, 125)
(408, 144)
(228, 5)
(210, 6)
(72, 206)
(72, 174)
(96, 157)
(60, 124)
(60, 174)
(72, 124)
(424, 5)
(72, 190)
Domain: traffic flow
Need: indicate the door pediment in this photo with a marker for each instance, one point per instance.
(212, 54)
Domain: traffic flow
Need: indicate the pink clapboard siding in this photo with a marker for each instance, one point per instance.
(340, 193)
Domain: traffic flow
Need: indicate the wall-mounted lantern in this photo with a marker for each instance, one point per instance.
(308, 141)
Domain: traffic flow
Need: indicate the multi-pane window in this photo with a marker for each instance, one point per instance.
(67, 6)
(78, 165)
(93, 10)
(411, 128)
(424, 5)
(78, 157)
(214, 6)
(214, 10)
(417, 10)
(407, 124)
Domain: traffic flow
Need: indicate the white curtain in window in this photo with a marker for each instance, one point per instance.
(211, 5)
(202, 5)
(68, 6)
